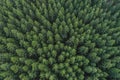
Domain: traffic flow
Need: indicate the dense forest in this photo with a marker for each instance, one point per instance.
(59, 39)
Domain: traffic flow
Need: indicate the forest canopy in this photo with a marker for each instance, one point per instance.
(59, 39)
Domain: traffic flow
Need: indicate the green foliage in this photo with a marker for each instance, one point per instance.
(4, 66)
(20, 52)
(11, 47)
(59, 40)
(14, 68)
(114, 73)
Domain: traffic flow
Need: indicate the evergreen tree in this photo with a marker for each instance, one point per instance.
(60, 40)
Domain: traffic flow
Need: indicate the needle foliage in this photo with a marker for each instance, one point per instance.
(59, 39)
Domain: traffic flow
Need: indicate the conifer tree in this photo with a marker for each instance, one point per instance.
(59, 40)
